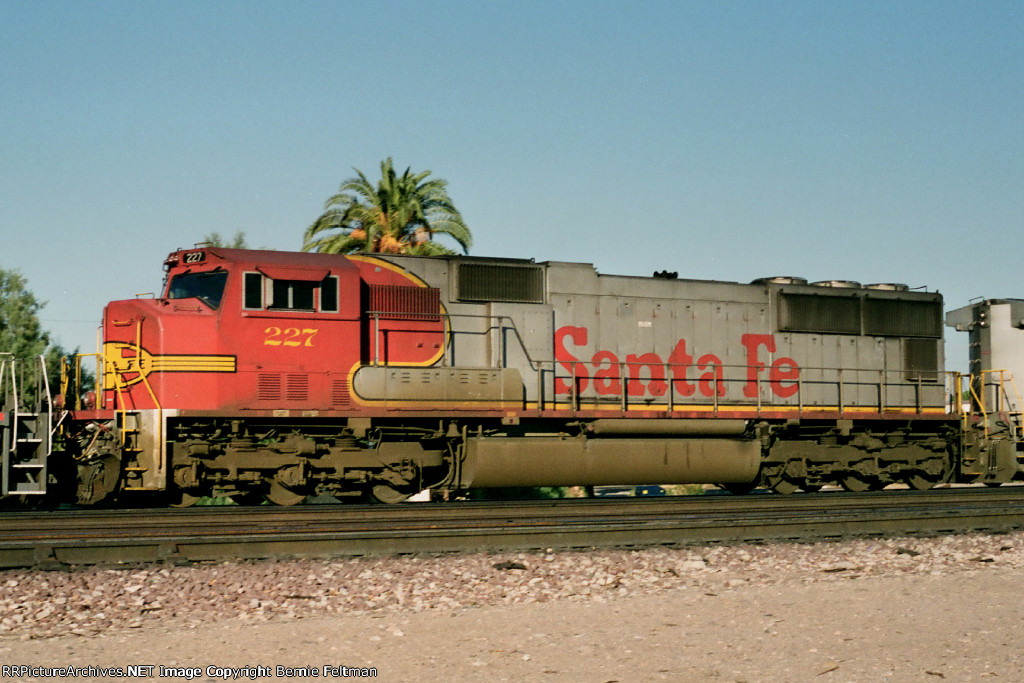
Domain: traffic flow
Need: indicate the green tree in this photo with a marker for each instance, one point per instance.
(399, 215)
(214, 239)
(21, 333)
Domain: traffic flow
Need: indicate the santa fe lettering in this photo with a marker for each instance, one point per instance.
(609, 372)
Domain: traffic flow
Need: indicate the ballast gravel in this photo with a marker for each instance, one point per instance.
(95, 599)
(308, 603)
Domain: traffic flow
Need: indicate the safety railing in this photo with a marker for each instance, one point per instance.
(72, 380)
(26, 419)
(502, 325)
(570, 384)
(989, 393)
(24, 384)
(846, 386)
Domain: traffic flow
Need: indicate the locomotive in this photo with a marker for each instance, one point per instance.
(275, 375)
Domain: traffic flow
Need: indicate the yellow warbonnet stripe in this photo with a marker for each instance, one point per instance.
(140, 363)
(419, 282)
(193, 363)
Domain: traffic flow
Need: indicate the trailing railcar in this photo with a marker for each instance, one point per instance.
(276, 374)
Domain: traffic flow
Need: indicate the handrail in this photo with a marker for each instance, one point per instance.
(568, 372)
(49, 406)
(12, 366)
(138, 362)
(1001, 395)
(69, 369)
(497, 322)
(5, 363)
(447, 317)
(120, 389)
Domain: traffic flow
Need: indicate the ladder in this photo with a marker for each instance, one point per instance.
(1000, 408)
(26, 413)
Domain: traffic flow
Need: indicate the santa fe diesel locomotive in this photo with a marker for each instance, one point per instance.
(283, 375)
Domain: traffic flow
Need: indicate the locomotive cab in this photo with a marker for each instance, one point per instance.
(233, 329)
(247, 333)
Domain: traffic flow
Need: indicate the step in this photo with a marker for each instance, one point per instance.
(28, 489)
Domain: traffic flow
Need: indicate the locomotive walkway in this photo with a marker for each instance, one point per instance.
(70, 537)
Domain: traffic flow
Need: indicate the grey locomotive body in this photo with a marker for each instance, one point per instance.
(612, 379)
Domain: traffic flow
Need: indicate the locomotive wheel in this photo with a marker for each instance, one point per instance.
(919, 482)
(182, 499)
(784, 486)
(811, 488)
(856, 483)
(382, 493)
(279, 495)
(739, 489)
(923, 482)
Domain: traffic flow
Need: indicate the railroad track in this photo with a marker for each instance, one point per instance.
(61, 538)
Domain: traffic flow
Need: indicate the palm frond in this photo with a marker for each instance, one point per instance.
(400, 213)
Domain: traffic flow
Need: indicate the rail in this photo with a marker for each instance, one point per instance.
(56, 538)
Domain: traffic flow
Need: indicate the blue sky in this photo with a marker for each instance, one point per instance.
(870, 141)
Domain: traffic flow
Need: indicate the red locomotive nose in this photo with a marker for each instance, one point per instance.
(163, 353)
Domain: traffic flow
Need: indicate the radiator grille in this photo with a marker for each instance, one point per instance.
(921, 360)
(819, 314)
(396, 302)
(494, 282)
(894, 318)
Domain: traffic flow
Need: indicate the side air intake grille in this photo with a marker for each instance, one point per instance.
(921, 360)
(893, 318)
(874, 317)
(396, 302)
(819, 314)
(297, 388)
(340, 394)
(268, 387)
(499, 282)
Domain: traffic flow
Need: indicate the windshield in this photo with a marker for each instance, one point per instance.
(208, 287)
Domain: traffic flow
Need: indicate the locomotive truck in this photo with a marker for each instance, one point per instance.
(261, 374)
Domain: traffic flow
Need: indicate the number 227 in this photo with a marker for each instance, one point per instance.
(289, 336)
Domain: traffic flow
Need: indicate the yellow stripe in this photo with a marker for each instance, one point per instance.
(419, 282)
(564, 405)
(193, 363)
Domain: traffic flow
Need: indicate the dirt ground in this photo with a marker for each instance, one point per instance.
(961, 626)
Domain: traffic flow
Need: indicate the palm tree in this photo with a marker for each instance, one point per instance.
(214, 239)
(401, 215)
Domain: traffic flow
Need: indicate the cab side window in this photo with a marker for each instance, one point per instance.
(263, 293)
(253, 295)
(292, 295)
